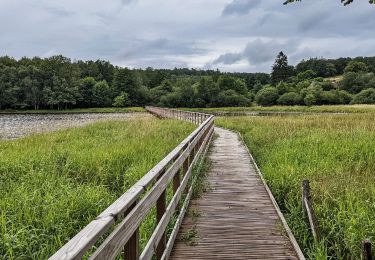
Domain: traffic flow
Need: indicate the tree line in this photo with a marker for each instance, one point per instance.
(320, 82)
(58, 83)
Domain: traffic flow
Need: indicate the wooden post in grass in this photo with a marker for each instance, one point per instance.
(131, 248)
(366, 250)
(309, 210)
(160, 210)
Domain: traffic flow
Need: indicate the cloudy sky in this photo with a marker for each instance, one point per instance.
(232, 35)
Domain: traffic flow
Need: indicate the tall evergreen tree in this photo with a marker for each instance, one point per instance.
(281, 71)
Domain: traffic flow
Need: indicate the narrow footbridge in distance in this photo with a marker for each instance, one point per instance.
(236, 218)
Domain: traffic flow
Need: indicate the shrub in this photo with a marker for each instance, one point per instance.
(310, 99)
(366, 96)
(232, 98)
(122, 100)
(291, 98)
(267, 96)
(335, 97)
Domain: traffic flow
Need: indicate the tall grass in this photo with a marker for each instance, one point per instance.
(337, 154)
(53, 184)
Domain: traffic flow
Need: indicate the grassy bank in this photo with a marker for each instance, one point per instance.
(337, 154)
(53, 184)
(76, 110)
(307, 109)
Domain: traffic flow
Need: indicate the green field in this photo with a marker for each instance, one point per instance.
(76, 110)
(307, 109)
(337, 154)
(53, 184)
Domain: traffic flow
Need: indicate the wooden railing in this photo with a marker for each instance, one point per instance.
(127, 213)
(193, 117)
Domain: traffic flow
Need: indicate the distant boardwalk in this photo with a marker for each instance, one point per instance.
(236, 218)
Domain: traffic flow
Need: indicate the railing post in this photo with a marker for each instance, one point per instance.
(177, 180)
(309, 210)
(366, 250)
(160, 210)
(131, 248)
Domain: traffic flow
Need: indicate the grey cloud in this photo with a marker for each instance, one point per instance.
(239, 7)
(258, 52)
(228, 58)
(172, 33)
(156, 47)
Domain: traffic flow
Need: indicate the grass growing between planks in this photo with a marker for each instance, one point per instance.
(53, 184)
(337, 154)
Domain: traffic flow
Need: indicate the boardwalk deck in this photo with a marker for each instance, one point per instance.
(236, 217)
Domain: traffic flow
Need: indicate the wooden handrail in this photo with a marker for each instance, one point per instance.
(134, 205)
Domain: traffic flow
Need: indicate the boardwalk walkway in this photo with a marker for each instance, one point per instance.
(236, 218)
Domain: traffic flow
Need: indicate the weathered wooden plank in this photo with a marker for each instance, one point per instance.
(238, 219)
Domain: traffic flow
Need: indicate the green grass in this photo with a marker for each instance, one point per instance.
(307, 109)
(76, 110)
(53, 184)
(337, 154)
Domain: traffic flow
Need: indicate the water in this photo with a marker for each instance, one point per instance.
(13, 126)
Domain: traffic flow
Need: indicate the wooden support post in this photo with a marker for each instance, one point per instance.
(309, 210)
(160, 210)
(177, 180)
(366, 250)
(131, 248)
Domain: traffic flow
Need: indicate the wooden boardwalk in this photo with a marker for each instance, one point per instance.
(236, 218)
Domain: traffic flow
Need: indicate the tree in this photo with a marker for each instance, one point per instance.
(8, 87)
(290, 99)
(86, 86)
(356, 66)
(231, 98)
(281, 71)
(267, 96)
(122, 100)
(366, 96)
(101, 94)
(226, 82)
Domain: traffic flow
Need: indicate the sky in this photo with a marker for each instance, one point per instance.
(231, 35)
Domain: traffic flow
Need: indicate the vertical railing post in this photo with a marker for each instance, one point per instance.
(309, 210)
(366, 250)
(177, 180)
(131, 248)
(160, 210)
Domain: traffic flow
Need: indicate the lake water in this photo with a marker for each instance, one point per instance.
(13, 126)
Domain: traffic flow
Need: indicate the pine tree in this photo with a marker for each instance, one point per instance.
(281, 71)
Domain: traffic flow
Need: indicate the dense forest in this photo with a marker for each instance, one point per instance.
(57, 83)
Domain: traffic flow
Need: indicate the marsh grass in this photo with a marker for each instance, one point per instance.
(54, 184)
(337, 154)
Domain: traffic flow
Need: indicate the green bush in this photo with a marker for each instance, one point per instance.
(291, 98)
(366, 96)
(232, 98)
(335, 97)
(267, 96)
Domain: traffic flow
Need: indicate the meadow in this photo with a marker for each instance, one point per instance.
(337, 154)
(53, 184)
